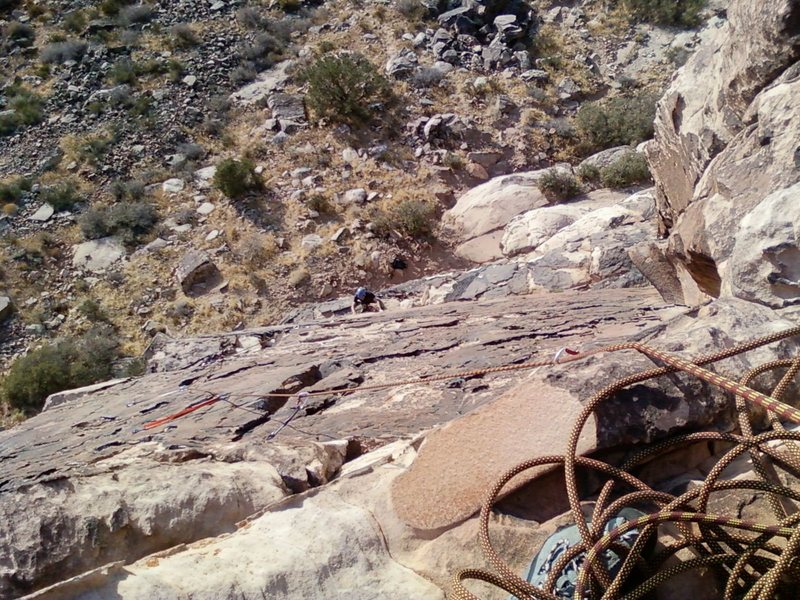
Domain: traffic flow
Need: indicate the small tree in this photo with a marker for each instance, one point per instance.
(235, 178)
(345, 88)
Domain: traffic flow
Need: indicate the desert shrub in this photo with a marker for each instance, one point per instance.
(191, 151)
(127, 190)
(65, 364)
(678, 55)
(27, 109)
(127, 220)
(558, 185)
(61, 52)
(345, 88)
(92, 310)
(413, 10)
(20, 35)
(243, 74)
(616, 122)
(139, 13)
(250, 18)
(123, 71)
(61, 196)
(74, 21)
(235, 178)
(256, 250)
(10, 209)
(682, 13)
(266, 50)
(182, 36)
(111, 8)
(414, 218)
(320, 203)
(12, 191)
(589, 173)
(298, 277)
(631, 168)
(91, 149)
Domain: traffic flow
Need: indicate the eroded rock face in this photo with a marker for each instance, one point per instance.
(726, 137)
(120, 491)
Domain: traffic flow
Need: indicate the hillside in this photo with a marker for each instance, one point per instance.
(116, 115)
(600, 286)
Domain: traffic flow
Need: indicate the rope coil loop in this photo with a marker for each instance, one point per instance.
(755, 560)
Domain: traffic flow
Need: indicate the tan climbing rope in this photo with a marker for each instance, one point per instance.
(756, 560)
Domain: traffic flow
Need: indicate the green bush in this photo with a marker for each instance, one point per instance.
(61, 196)
(345, 88)
(12, 191)
(616, 122)
(127, 220)
(558, 186)
(27, 109)
(631, 168)
(589, 173)
(414, 218)
(235, 178)
(62, 365)
(682, 13)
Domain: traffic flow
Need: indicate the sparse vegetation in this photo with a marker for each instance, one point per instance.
(136, 14)
(630, 169)
(61, 196)
(345, 88)
(256, 250)
(19, 35)
(235, 178)
(22, 107)
(65, 364)
(298, 277)
(681, 13)
(414, 218)
(589, 173)
(12, 191)
(320, 203)
(61, 52)
(182, 36)
(558, 185)
(617, 122)
(126, 220)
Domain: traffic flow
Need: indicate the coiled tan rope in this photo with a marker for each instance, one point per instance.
(757, 560)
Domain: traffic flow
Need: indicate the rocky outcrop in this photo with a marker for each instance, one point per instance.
(220, 463)
(726, 138)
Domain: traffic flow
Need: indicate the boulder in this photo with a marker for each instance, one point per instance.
(401, 64)
(43, 214)
(197, 274)
(491, 205)
(606, 157)
(173, 186)
(725, 137)
(290, 107)
(98, 255)
(265, 84)
(6, 308)
(765, 262)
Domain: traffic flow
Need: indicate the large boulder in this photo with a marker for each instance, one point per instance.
(765, 263)
(98, 255)
(489, 207)
(197, 274)
(726, 137)
(6, 308)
